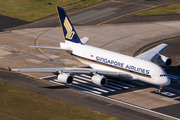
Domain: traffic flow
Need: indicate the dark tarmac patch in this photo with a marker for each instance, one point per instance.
(150, 18)
(172, 110)
(9, 22)
(174, 70)
(178, 99)
(155, 44)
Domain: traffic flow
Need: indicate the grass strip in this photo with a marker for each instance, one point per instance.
(30, 10)
(18, 103)
(167, 9)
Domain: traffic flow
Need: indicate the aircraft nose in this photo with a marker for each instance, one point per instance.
(167, 81)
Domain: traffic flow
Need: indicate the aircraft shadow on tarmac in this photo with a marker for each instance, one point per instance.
(56, 87)
(110, 89)
(116, 86)
(151, 0)
(175, 70)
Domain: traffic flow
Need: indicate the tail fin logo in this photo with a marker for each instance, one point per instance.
(68, 27)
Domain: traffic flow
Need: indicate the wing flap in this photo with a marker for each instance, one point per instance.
(95, 71)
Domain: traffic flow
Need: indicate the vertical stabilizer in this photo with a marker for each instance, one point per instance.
(68, 30)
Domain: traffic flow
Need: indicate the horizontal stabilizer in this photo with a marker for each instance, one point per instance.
(84, 40)
(54, 48)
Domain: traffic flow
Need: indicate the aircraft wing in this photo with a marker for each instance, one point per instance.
(152, 54)
(54, 48)
(74, 71)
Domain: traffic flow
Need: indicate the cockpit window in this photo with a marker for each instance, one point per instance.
(162, 75)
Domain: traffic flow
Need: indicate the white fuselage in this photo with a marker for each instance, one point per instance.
(101, 59)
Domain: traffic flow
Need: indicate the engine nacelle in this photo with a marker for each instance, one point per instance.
(65, 78)
(99, 80)
(164, 61)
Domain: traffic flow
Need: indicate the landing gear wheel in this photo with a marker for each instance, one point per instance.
(160, 89)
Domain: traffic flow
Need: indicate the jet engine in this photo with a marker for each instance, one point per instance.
(65, 78)
(164, 61)
(99, 80)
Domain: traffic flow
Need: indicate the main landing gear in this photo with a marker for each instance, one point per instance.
(160, 89)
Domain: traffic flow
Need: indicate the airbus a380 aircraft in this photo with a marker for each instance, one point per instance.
(106, 63)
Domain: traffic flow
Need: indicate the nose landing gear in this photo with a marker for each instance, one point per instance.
(160, 89)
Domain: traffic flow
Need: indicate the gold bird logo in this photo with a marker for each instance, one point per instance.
(68, 27)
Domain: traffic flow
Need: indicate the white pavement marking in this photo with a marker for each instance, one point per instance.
(136, 82)
(5, 32)
(80, 77)
(108, 89)
(114, 85)
(104, 87)
(118, 85)
(56, 82)
(79, 87)
(117, 88)
(85, 76)
(168, 94)
(118, 82)
(76, 80)
(81, 81)
(111, 86)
